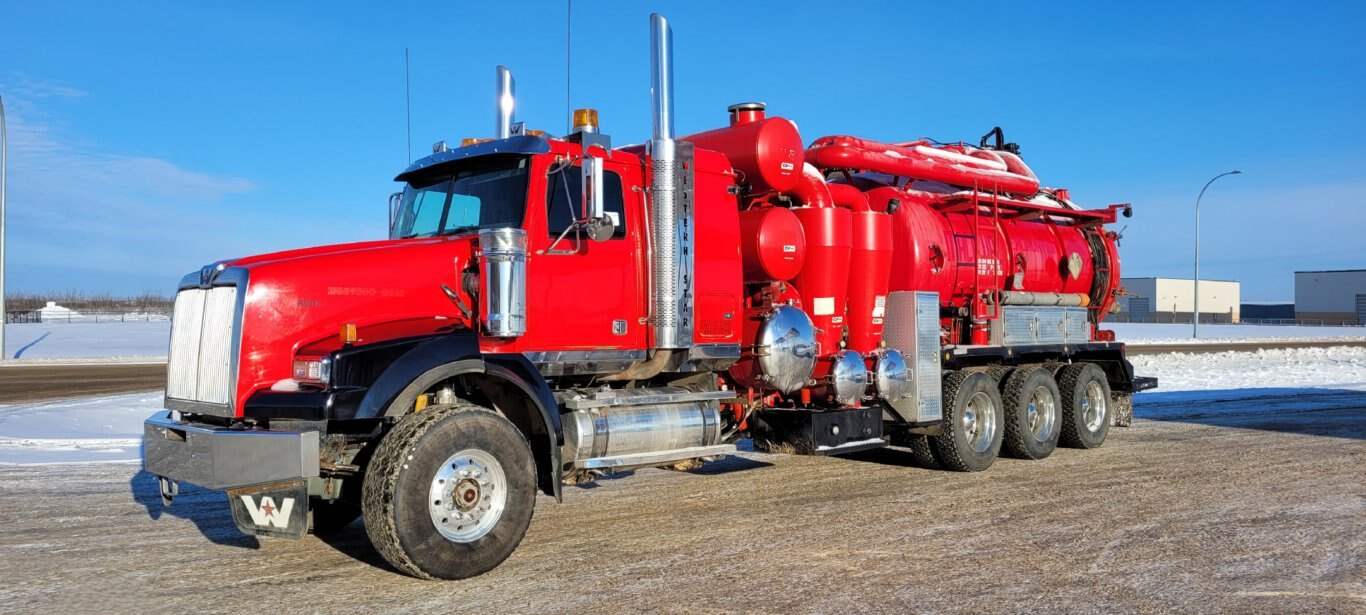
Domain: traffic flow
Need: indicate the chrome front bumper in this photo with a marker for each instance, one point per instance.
(222, 458)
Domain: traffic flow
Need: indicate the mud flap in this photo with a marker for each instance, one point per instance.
(272, 509)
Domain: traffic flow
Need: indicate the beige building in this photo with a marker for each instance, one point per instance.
(1173, 300)
(1331, 295)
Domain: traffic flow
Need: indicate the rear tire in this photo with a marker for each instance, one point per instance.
(1033, 413)
(918, 445)
(1085, 405)
(971, 434)
(450, 492)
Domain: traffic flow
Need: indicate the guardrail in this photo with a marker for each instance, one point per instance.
(1224, 319)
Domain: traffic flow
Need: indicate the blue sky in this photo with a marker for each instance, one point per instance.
(147, 139)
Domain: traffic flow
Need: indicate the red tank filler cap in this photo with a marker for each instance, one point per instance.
(746, 112)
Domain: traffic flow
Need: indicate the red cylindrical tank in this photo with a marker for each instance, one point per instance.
(822, 281)
(772, 244)
(870, 265)
(923, 255)
(961, 253)
(870, 268)
(767, 151)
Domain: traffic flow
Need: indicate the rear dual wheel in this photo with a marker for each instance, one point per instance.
(1033, 413)
(1085, 393)
(973, 415)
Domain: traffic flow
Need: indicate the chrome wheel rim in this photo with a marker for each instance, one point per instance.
(467, 496)
(1043, 414)
(1093, 404)
(979, 422)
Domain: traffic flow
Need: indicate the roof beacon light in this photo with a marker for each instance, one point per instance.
(585, 120)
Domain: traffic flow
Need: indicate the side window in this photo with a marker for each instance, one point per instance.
(564, 201)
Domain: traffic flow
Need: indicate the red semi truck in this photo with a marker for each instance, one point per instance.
(546, 309)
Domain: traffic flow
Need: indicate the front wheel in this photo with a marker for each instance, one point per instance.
(450, 492)
(1085, 405)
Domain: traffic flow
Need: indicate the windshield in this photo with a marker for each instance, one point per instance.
(488, 192)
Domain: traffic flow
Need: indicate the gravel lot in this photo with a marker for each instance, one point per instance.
(1256, 511)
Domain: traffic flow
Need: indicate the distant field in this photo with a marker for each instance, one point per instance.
(88, 340)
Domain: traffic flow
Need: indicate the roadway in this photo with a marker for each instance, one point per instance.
(1237, 505)
(25, 383)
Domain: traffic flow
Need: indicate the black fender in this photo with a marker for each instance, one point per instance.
(423, 362)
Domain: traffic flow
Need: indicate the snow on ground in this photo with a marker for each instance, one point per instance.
(61, 340)
(1165, 333)
(1230, 384)
(1340, 367)
(92, 429)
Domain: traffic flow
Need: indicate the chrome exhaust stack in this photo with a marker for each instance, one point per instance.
(504, 104)
(671, 213)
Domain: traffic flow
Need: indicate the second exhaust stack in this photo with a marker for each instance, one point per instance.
(671, 221)
(504, 105)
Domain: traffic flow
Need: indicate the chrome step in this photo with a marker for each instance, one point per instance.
(584, 400)
(654, 458)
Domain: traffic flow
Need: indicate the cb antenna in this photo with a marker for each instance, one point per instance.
(408, 103)
(568, 62)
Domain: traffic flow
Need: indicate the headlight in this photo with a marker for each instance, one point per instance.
(313, 370)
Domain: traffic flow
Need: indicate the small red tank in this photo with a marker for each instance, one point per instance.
(772, 244)
(766, 151)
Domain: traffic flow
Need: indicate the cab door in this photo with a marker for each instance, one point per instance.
(584, 295)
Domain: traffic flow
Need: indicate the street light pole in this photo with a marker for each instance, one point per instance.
(3, 147)
(1195, 314)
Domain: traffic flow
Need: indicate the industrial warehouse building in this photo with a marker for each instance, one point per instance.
(1173, 300)
(1335, 297)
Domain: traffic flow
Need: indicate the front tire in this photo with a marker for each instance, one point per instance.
(450, 492)
(1085, 405)
(971, 435)
(1033, 413)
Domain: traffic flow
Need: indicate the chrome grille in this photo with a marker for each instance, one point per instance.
(203, 336)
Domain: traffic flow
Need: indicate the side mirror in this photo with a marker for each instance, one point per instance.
(395, 200)
(597, 222)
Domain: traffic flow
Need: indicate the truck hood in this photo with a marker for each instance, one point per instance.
(334, 249)
(298, 300)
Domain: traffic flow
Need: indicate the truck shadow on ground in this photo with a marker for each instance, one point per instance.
(353, 542)
(1335, 413)
(889, 456)
(717, 467)
(207, 510)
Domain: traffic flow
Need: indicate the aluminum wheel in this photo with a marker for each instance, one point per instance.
(467, 495)
(1043, 414)
(1093, 406)
(979, 422)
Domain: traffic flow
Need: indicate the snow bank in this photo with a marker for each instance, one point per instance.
(1339, 367)
(1152, 333)
(93, 429)
(61, 340)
